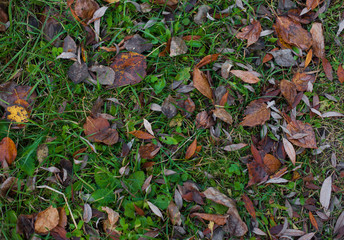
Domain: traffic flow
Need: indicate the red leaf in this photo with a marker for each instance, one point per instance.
(340, 74)
(249, 206)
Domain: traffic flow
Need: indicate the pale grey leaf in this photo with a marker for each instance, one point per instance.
(155, 210)
(332, 114)
(339, 223)
(284, 58)
(234, 147)
(87, 214)
(266, 33)
(325, 192)
(67, 55)
(148, 126)
(341, 27)
(307, 236)
(258, 232)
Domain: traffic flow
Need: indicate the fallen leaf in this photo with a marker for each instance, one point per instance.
(234, 147)
(313, 221)
(112, 218)
(168, 108)
(155, 210)
(190, 152)
(325, 193)
(46, 220)
(87, 214)
(148, 126)
(318, 40)
(312, 4)
(222, 114)
(292, 33)
(301, 81)
(226, 68)
(332, 114)
(340, 74)
(78, 72)
(327, 68)
(284, 58)
(257, 113)
(42, 152)
(307, 236)
(148, 151)
(8, 151)
(201, 16)
(256, 173)
(85, 9)
(272, 164)
(246, 76)
(169, 3)
(25, 225)
(98, 130)
(177, 47)
(142, 135)
(289, 149)
(339, 223)
(69, 45)
(192, 37)
(250, 32)
(137, 44)
(203, 120)
(201, 83)
(249, 206)
(146, 183)
(216, 218)
(207, 59)
(174, 214)
(309, 58)
(130, 68)
(307, 139)
(105, 75)
(288, 90)
(3, 18)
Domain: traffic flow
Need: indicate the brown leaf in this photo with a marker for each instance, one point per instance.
(59, 233)
(327, 68)
(191, 37)
(246, 76)
(267, 57)
(203, 120)
(301, 81)
(207, 59)
(249, 206)
(201, 83)
(98, 130)
(288, 90)
(85, 9)
(139, 211)
(215, 195)
(3, 18)
(309, 57)
(177, 47)
(340, 74)
(234, 147)
(25, 225)
(272, 164)
(190, 152)
(173, 212)
(141, 135)
(222, 114)
(112, 217)
(302, 129)
(289, 149)
(62, 217)
(256, 173)
(256, 113)
(148, 151)
(312, 4)
(313, 221)
(292, 33)
(318, 40)
(8, 151)
(169, 3)
(250, 32)
(216, 218)
(130, 68)
(47, 220)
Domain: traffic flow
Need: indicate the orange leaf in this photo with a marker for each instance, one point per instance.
(327, 68)
(201, 83)
(191, 37)
(311, 4)
(207, 59)
(191, 150)
(313, 221)
(249, 206)
(272, 164)
(267, 57)
(309, 57)
(246, 76)
(340, 74)
(141, 135)
(216, 218)
(8, 150)
(250, 32)
(301, 81)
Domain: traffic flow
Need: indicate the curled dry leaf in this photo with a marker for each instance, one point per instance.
(249, 206)
(222, 114)
(148, 151)
(288, 90)
(130, 68)
(201, 83)
(207, 59)
(216, 218)
(292, 33)
(141, 135)
(112, 218)
(47, 220)
(190, 152)
(289, 149)
(318, 40)
(257, 113)
(174, 213)
(305, 130)
(272, 164)
(250, 32)
(301, 81)
(98, 130)
(8, 151)
(246, 76)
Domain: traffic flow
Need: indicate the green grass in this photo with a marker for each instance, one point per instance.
(35, 58)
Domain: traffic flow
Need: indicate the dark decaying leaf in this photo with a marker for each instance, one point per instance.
(327, 68)
(168, 108)
(249, 206)
(78, 72)
(256, 173)
(284, 58)
(190, 152)
(3, 18)
(26, 225)
(130, 68)
(177, 47)
(246, 76)
(292, 33)
(222, 114)
(318, 40)
(201, 83)
(97, 129)
(257, 113)
(137, 44)
(148, 151)
(8, 151)
(52, 26)
(340, 74)
(69, 45)
(188, 106)
(250, 32)
(288, 90)
(170, 3)
(301, 80)
(13, 94)
(302, 129)
(204, 120)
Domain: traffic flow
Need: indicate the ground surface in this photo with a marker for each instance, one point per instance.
(156, 185)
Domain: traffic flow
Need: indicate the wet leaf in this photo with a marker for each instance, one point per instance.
(340, 74)
(174, 214)
(130, 68)
(289, 149)
(327, 68)
(137, 44)
(177, 47)
(301, 81)
(272, 164)
(250, 32)
(325, 193)
(249, 206)
(141, 135)
(8, 151)
(308, 136)
(256, 113)
(46, 220)
(222, 114)
(148, 151)
(246, 76)
(98, 130)
(105, 75)
(292, 33)
(318, 40)
(288, 90)
(207, 59)
(216, 218)
(190, 152)
(201, 83)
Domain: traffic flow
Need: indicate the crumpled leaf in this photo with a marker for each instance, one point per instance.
(112, 219)
(292, 33)
(246, 76)
(78, 72)
(85, 9)
(250, 32)
(298, 127)
(130, 68)
(325, 193)
(288, 90)
(137, 44)
(301, 81)
(318, 39)
(47, 220)
(8, 151)
(203, 120)
(201, 83)
(97, 129)
(177, 47)
(257, 113)
(148, 151)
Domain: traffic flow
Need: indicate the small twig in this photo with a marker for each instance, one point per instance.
(54, 190)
